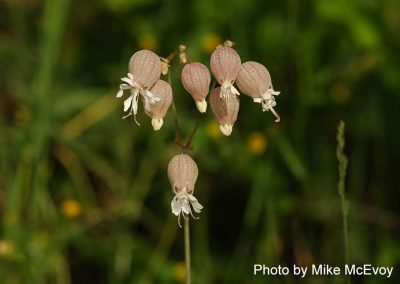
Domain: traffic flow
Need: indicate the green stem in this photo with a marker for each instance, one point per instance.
(187, 250)
(178, 138)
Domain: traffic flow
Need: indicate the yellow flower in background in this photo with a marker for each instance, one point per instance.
(71, 208)
(6, 248)
(147, 41)
(210, 41)
(257, 143)
(179, 271)
(212, 129)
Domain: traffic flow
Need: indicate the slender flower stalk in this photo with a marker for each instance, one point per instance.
(187, 251)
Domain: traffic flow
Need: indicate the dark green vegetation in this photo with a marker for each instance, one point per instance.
(84, 196)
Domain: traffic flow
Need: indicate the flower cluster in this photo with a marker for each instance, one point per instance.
(143, 80)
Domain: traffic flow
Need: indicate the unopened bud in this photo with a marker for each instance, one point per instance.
(225, 110)
(229, 43)
(182, 53)
(157, 110)
(196, 80)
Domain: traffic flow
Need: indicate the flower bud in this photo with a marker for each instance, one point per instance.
(165, 66)
(225, 65)
(254, 80)
(182, 53)
(225, 110)
(157, 110)
(196, 80)
(182, 174)
(145, 66)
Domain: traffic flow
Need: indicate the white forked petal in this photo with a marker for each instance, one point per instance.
(128, 81)
(227, 88)
(195, 204)
(272, 92)
(268, 102)
(120, 92)
(131, 102)
(182, 204)
(125, 87)
(234, 90)
(150, 96)
(128, 103)
(175, 206)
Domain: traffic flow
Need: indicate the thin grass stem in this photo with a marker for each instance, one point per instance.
(343, 161)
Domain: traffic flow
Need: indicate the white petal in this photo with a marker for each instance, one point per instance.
(128, 81)
(120, 93)
(125, 87)
(186, 207)
(128, 103)
(272, 92)
(234, 91)
(257, 100)
(176, 209)
(147, 104)
(197, 206)
(130, 76)
(151, 96)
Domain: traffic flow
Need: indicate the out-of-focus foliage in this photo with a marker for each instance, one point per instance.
(84, 196)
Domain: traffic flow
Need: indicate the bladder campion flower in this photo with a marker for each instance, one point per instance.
(225, 65)
(182, 174)
(254, 80)
(157, 110)
(144, 71)
(196, 80)
(225, 110)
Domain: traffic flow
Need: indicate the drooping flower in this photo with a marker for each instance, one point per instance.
(196, 80)
(255, 81)
(225, 65)
(144, 70)
(182, 174)
(225, 110)
(157, 110)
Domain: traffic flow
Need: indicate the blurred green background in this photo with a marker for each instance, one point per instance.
(84, 196)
